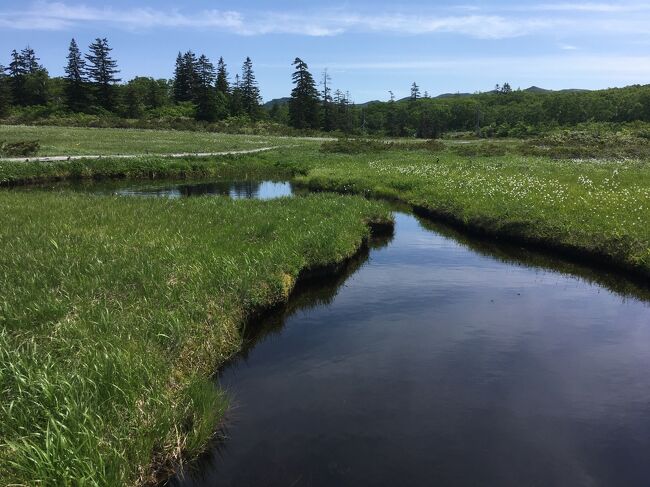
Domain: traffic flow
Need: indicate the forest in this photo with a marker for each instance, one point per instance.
(204, 96)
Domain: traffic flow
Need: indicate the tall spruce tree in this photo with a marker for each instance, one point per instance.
(236, 103)
(29, 60)
(190, 66)
(222, 77)
(76, 94)
(303, 105)
(415, 91)
(17, 73)
(205, 94)
(181, 82)
(101, 70)
(250, 93)
(205, 72)
(327, 112)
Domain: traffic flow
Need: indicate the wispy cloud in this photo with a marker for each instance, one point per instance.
(590, 7)
(565, 66)
(466, 21)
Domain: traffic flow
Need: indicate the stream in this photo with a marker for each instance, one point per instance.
(437, 359)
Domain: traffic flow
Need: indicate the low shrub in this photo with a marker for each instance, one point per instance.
(354, 146)
(364, 146)
(589, 144)
(20, 148)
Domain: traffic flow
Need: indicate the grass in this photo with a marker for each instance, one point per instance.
(116, 311)
(90, 141)
(147, 167)
(596, 208)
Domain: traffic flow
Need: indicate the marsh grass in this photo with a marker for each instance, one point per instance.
(116, 311)
(365, 146)
(20, 172)
(591, 208)
(106, 141)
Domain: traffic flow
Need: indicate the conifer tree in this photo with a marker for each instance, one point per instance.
(101, 70)
(17, 73)
(303, 105)
(190, 68)
(250, 93)
(75, 88)
(415, 92)
(222, 77)
(205, 72)
(326, 98)
(236, 102)
(205, 94)
(180, 88)
(29, 60)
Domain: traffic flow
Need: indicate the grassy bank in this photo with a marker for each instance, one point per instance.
(595, 208)
(149, 167)
(89, 141)
(591, 208)
(116, 311)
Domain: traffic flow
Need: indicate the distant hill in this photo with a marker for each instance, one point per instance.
(276, 101)
(531, 89)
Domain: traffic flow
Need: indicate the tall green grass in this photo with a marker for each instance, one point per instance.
(593, 208)
(116, 311)
(106, 141)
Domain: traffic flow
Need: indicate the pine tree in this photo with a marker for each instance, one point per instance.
(415, 92)
(250, 93)
(28, 79)
(101, 70)
(181, 83)
(222, 77)
(190, 68)
(30, 61)
(205, 94)
(303, 105)
(75, 88)
(17, 73)
(236, 102)
(326, 97)
(205, 72)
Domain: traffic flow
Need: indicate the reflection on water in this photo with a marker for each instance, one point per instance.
(236, 189)
(438, 359)
(430, 363)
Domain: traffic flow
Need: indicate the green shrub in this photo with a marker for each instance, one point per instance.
(590, 143)
(20, 148)
(365, 146)
(354, 146)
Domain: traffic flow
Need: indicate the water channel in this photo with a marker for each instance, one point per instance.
(437, 359)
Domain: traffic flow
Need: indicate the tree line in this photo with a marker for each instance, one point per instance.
(207, 93)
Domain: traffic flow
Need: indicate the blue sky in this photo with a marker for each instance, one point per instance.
(369, 47)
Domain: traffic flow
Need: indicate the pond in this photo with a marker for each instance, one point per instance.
(435, 359)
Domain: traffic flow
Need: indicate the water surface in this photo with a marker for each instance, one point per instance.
(436, 359)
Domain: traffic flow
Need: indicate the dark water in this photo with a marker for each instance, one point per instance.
(236, 189)
(440, 360)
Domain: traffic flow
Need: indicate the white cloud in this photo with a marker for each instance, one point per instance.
(590, 7)
(466, 21)
(630, 68)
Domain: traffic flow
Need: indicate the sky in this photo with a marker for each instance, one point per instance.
(368, 47)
